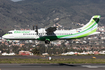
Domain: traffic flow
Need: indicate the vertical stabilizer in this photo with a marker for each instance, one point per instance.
(93, 22)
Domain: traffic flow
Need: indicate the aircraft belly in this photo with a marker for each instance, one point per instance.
(43, 38)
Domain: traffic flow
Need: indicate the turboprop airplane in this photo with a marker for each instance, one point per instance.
(51, 33)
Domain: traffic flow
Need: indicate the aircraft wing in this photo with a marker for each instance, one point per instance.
(51, 30)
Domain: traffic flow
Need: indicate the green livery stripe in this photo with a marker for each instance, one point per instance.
(93, 23)
(90, 24)
(48, 37)
(76, 33)
(93, 20)
(57, 37)
(84, 35)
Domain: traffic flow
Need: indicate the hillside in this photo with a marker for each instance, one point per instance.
(44, 13)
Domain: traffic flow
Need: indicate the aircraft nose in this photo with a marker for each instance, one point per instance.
(3, 37)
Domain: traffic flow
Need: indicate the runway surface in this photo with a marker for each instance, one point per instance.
(51, 67)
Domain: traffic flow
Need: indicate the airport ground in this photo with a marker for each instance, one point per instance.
(56, 57)
(86, 59)
(52, 66)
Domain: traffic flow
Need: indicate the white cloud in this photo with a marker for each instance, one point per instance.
(16, 0)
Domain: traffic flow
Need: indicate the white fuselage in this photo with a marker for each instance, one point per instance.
(31, 34)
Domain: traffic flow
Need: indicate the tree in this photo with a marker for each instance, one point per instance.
(35, 51)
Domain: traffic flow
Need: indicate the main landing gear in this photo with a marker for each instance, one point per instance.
(47, 41)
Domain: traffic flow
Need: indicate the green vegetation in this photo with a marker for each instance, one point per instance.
(70, 61)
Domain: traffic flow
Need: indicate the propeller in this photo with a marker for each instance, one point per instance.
(36, 29)
(33, 27)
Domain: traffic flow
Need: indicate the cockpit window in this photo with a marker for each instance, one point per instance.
(9, 33)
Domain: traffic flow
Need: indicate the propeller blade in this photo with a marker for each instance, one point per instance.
(33, 27)
(36, 29)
